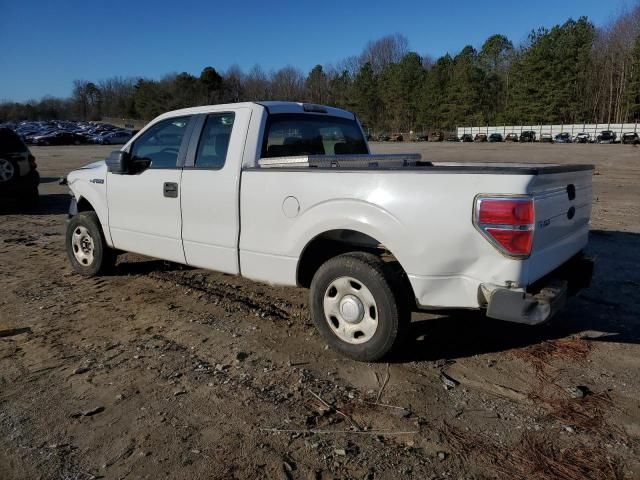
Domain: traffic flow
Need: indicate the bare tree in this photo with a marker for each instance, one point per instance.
(117, 93)
(287, 84)
(233, 84)
(385, 51)
(256, 85)
(87, 99)
(612, 62)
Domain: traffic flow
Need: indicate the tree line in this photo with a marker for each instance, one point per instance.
(570, 73)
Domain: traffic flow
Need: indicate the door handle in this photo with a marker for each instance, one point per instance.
(170, 189)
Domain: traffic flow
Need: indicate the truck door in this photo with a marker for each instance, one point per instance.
(210, 189)
(144, 207)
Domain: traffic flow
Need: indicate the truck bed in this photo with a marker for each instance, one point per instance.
(413, 162)
(420, 211)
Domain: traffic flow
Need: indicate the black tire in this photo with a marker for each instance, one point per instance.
(14, 175)
(103, 258)
(392, 315)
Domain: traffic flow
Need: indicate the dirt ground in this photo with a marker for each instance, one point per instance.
(160, 371)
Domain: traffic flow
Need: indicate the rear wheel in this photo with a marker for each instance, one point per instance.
(8, 170)
(357, 307)
(86, 247)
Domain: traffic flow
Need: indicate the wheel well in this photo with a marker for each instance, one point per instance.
(85, 206)
(337, 242)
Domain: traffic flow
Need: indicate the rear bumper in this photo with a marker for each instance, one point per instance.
(542, 300)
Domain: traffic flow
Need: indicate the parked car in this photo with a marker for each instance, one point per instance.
(436, 136)
(111, 138)
(562, 138)
(495, 137)
(528, 136)
(31, 137)
(452, 138)
(57, 132)
(354, 248)
(546, 138)
(19, 176)
(480, 137)
(511, 137)
(467, 137)
(59, 138)
(421, 137)
(582, 137)
(396, 137)
(631, 139)
(383, 137)
(607, 136)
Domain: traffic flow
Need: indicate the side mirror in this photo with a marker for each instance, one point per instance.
(119, 162)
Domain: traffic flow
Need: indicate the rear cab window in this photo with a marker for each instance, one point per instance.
(214, 141)
(293, 134)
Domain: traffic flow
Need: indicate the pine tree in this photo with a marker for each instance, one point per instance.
(365, 96)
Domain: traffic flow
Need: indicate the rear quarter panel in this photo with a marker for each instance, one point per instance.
(423, 219)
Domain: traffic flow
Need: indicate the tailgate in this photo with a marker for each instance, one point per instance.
(562, 203)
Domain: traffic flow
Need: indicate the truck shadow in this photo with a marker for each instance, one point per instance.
(608, 311)
(131, 264)
(49, 204)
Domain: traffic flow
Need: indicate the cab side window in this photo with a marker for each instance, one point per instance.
(161, 143)
(214, 141)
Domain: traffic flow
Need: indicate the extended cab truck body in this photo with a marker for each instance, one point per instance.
(288, 193)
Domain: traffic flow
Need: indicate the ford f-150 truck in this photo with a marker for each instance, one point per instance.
(289, 193)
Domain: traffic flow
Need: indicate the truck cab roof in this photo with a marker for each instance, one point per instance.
(272, 107)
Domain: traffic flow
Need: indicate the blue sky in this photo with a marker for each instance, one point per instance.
(48, 44)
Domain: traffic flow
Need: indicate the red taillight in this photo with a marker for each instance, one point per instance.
(506, 211)
(507, 222)
(515, 242)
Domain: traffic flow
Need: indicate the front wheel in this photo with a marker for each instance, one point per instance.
(356, 305)
(86, 247)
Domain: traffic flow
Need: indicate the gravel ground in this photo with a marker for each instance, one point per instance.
(161, 371)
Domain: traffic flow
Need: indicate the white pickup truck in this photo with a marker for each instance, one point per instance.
(289, 193)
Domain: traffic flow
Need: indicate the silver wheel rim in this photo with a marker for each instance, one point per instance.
(350, 310)
(7, 170)
(82, 244)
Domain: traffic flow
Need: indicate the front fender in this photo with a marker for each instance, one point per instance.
(95, 195)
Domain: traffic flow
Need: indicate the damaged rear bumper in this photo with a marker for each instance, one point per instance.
(541, 300)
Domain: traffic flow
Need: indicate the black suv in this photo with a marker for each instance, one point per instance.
(528, 136)
(606, 136)
(19, 177)
(631, 139)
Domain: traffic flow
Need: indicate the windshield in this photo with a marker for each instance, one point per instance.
(289, 135)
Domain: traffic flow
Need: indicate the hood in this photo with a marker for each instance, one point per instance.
(88, 173)
(96, 164)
